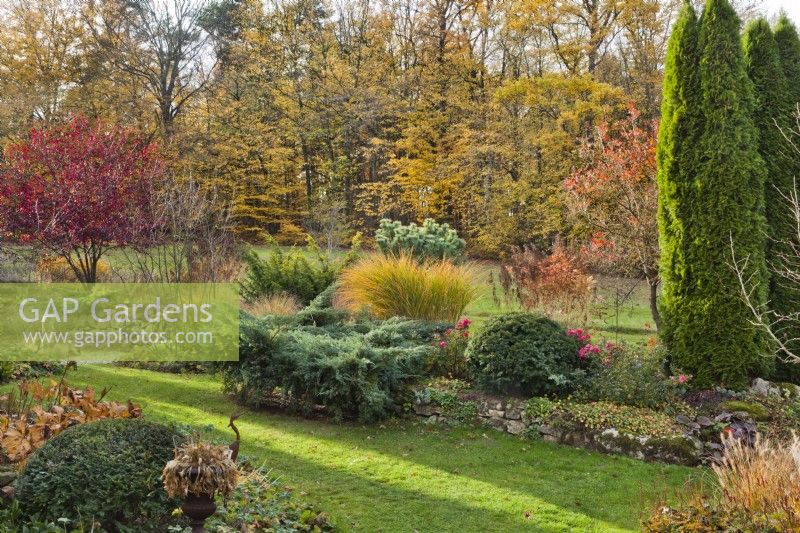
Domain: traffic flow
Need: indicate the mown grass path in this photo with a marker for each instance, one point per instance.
(404, 476)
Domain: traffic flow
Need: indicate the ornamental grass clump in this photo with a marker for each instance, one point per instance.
(200, 468)
(762, 479)
(280, 304)
(398, 285)
(759, 490)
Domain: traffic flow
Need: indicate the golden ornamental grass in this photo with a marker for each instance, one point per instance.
(387, 286)
(281, 304)
(200, 468)
(762, 479)
(55, 269)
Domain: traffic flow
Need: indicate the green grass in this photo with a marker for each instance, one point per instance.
(406, 476)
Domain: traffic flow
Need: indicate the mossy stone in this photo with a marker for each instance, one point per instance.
(756, 411)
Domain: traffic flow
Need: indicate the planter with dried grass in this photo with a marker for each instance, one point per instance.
(199, 472)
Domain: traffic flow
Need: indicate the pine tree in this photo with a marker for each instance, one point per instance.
(677, 141)
(726, 217)
(772, 110)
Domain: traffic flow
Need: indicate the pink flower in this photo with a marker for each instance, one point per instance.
(442, 344)
(588, 350)
(610, 346)
(579, 334)
(681, 378)
(463, 323)
(465, 334)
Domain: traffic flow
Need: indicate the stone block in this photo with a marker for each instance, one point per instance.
(515, 427)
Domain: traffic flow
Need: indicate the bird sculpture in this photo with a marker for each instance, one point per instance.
(234, 447)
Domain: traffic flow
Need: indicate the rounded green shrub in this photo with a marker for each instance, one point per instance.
(107, 472)
(523, 353)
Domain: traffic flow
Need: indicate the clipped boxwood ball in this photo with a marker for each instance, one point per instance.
(523, 353)
(107, 471)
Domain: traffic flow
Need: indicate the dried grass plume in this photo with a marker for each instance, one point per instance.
(762, 479)
(200, 468)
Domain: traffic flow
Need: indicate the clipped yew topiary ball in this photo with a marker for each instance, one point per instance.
(523, 354)
(106, 471)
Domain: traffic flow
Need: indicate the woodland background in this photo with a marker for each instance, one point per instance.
(324, 117)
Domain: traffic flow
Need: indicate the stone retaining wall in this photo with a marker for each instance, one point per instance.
(508, 415)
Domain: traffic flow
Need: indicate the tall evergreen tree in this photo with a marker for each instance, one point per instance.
(788, 44)
(772, 110)
(783, 300)
(728, 205)
(681, 122)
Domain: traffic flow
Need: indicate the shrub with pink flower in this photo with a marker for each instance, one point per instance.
(580, 334)
(449, 360)
(588, 350)
(633, 375)
(680, 378)
(593, 353)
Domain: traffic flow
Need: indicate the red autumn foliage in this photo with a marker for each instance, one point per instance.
(557, 285)
(614, 198)
(77, 190)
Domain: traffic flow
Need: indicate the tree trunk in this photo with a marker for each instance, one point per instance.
(653, 284)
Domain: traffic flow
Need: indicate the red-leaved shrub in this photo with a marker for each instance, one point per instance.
(557, 285)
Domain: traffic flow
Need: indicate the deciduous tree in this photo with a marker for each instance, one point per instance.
(77, 190)
(614, 199)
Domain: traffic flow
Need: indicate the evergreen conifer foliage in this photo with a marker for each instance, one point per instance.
(678, 135)
(772, 112)
(713, 181)
(788, 44)
(730, 179)
(784, 301)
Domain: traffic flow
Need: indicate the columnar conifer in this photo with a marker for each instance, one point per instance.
(772, 111)
(783, 301)
(788, 44)
(678, 134)
(718, 191)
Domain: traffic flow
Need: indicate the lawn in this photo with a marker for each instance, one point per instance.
(406, 476)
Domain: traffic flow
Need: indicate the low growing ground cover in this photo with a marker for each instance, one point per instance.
(402, 476)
